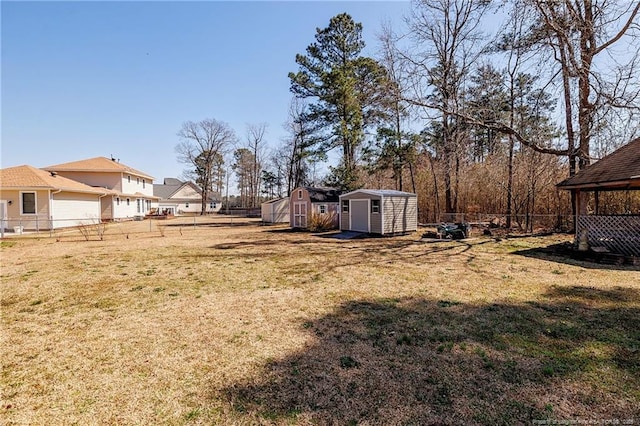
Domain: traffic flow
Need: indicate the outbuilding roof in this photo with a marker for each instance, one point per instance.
(97, 164)
(382, 193)
(29, 177)
(618, 170)
(323, 194)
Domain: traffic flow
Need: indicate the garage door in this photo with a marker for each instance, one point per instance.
(359, 211)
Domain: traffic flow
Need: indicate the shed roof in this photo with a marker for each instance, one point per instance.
(97, 164)
(277, 200)
(323, 194)
(382, 193)
(29, 177)
(618, 170)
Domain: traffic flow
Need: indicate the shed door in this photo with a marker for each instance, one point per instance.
(300, 215)
(359, 210)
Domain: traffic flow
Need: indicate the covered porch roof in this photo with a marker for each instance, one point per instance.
(618, 171)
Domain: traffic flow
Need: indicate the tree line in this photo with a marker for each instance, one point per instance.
(469, 119)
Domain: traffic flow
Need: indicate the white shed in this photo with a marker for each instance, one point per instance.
(379, 211)
(276, 211)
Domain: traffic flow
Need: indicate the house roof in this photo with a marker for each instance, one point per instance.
(323, 194)
(620, 169)
(172, 181)
(166, 191)
(383, 193)
(97, 164)
(28, 177)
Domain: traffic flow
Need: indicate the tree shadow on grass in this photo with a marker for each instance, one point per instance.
(564, 253)
(574, 353)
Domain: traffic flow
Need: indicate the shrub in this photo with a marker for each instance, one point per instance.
(319, 222)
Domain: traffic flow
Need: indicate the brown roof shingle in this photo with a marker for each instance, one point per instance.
(620, 168)
(97, 164)
(28, 177)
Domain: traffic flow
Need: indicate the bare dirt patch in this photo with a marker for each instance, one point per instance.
(214, 324)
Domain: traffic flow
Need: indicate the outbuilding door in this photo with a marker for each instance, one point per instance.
(300, 215)
(359, 211)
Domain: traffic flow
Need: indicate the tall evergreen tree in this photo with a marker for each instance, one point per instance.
(345, 86)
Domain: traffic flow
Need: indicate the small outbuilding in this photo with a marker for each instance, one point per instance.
(379, 211)
(275, 211)
(306, 201)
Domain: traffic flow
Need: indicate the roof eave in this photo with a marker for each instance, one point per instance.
(619, 184)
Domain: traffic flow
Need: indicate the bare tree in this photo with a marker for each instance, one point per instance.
(579, 33)
(300, 145)
(396, 147)
(202, 145)
(447, 42)
(256, 145)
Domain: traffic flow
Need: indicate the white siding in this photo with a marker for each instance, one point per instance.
(72, 209)
(276, 211)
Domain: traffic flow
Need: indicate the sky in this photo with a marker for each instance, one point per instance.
(88, 79)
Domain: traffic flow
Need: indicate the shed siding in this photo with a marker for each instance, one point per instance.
(375, 219)
(400, 214)
(276, 211)
(295, 199)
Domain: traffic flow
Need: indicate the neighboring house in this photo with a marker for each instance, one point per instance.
(618, 171)
(35, 199)
(177, 197)
(306, 201)
(131, 190)
(384, 212)
(276, 211)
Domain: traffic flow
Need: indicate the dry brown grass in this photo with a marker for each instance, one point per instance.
(248, 324)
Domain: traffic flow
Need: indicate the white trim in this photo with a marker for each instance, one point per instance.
(382, 230)
(300, 215)
(35, 203)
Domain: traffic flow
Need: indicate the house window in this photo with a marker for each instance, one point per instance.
(28, 203)
(137, 181)
(345, 206)
(186, 205)
(128, 179)
(212, 205)
(375, 206)
(322, 208)
(144, 183)
(300, 194)
(148, 204)
(118, 201)
(128, 201)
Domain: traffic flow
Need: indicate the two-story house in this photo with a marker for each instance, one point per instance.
(130, 190)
